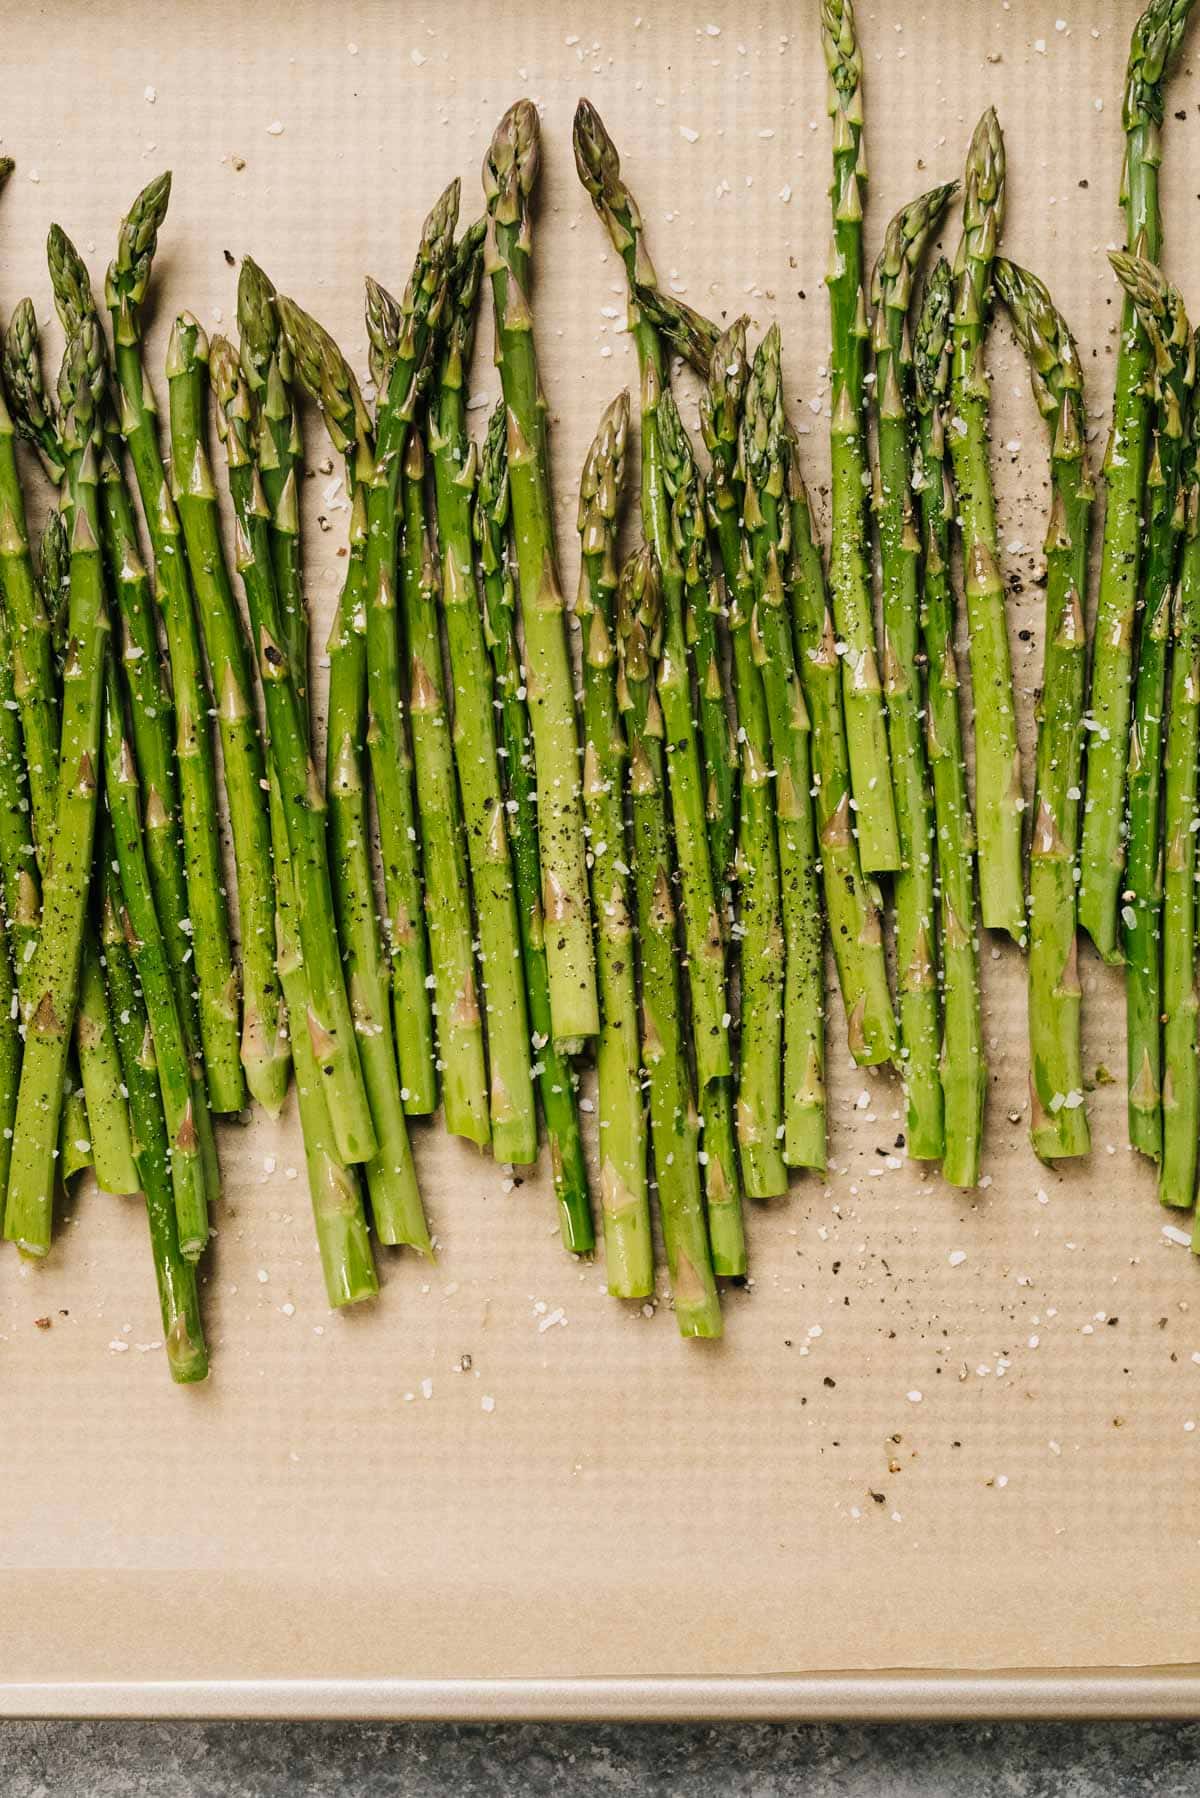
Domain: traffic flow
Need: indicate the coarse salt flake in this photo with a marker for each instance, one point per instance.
(956, 1257)
(487, 1403)
(426, 1388)
(275, 128)
(150, 95)
(686, 132)
(914, 1397)
(1173, 1233)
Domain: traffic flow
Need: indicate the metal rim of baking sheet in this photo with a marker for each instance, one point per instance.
(925, 1695)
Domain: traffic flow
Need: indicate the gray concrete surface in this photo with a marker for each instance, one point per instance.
(267, 1760)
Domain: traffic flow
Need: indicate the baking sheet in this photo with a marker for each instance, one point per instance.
(944, 1431)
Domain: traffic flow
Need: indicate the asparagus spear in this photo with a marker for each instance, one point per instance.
(400, 345)
(455, 464)
(703, 607)
(447, 883)
(339, 1219)
(556, 1080)
(900, 548)
(152, 716)
(140, 925)
(34, 692)
(1155, 44)
(98, 1078)
(194, 491)
(850, 580)
(599, 169)
(304, 893)
(207, 921)
(674, 1126)
(760, 1125)
(1181, 820)
(510, 173)
(178, 1298)
(998, 798)
(765, 456)
(267, 368)
(854, 925)
(1161, 314)
(324, 371)
(963, 1067)
(55, 978)
(629, 1251)
(1059, 1121)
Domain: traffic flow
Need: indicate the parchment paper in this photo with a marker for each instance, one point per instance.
(943, 1430)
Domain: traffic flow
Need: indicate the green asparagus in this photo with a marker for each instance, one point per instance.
(963, 1064)
(1059, 1125)
(674, 1126)
(1154, 47)
(455, 464)
(998, 798)
(624, 1200)
(556, 1079)
(850, 578)
(510, 173)
(1161, 313)
(900, 548)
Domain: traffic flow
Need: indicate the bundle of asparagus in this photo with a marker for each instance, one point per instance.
(662, 872)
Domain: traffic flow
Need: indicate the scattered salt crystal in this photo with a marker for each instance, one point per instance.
(487, 1403)
(352, 49)
(557, 1316)
(150, 95)
(956, 1257)
(289, 1310)
(427, 1388)
(1039, 44)
(862, 1101)
(713, 30)
(1042, 1196)
(1173, 1233)
(685, 131)
(1098, 105)
(1054, 1447)
(1196, 1357)
(1190, 1425)
(914, 1397)
(785, 192)
(417, 58)
(275, 128)
(118, 1347)
(263, 1276)
(269, 1164)
(1033, 1341)
(1002, 1479)
(815, 1330)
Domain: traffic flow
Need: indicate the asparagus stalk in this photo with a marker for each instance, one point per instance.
(324, 371)
(599, 169)
(207, 922)
(455, 465)
(510, 173)
(305, 894)
(267, 369)
(703, 608)
(343, 1239)
(1154, 47)
(152, 716)
(854, 924)
(629, 1251)
(98, 1079)
(32, 674)
(55, 979)
(899, 545)
(556, 1080)
(1059, 1121)
(401, 340)
(447, 883)
(963, 1066)
(1181, 821)
(266, 1064)
(178, 1298)
(850, 580)
(760, 1125)
(765, 455)
(10, 1045)
(139, 922)
(674, 1126)
(1160, 311)
(998, 798)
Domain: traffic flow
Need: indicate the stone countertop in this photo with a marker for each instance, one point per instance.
(278, 1760)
